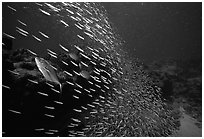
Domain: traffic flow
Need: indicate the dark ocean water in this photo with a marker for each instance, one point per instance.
(156, 30)
(151, 31)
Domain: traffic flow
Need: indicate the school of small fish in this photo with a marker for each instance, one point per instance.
(104, 93)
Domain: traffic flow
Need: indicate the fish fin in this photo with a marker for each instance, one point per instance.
(61, 86)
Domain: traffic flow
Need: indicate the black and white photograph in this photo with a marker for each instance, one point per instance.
(101, 69)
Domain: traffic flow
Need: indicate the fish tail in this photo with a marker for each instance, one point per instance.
(61, 85)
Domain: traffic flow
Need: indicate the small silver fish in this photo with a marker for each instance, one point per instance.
(80, 37)
(58, 102)
(21, 30)
(21, 33)
(17, 112)
(64, 23)
(65, 63)
(64, 48)
(32, 81)
(22, 23)
(7, 87)
(83, 107)
(76, 120)
(42, 94)
(52, 108)
(69, 11)
(75, 96)
(39, 129)
(50, 133)
(36, 38)
(70, 83)
(46, 13)
(11, 8)
(10, 36)
(44, 35)
(77, 91)
(48, 115)
(32, 52)
(77, 110)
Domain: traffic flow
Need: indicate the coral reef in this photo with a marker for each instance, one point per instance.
(181, 82)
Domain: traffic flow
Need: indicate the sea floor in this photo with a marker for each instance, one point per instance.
(188, 126)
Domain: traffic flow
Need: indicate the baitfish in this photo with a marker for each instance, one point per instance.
(75, 43)
(98, 77)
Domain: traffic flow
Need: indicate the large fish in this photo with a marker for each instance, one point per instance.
(48, 71)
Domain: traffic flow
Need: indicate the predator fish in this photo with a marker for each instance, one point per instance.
(48, 72)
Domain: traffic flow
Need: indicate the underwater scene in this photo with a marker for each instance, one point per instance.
(69, 70)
